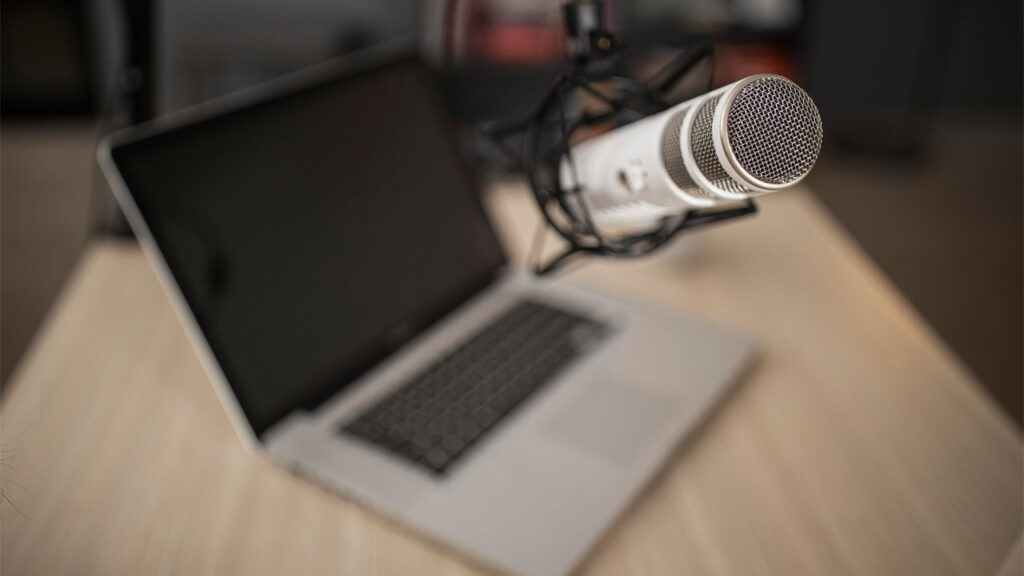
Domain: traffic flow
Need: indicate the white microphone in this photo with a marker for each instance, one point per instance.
(758, 135)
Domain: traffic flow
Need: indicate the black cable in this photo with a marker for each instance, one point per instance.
(664, 79)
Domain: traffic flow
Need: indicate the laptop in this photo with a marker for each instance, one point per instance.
(325, 247)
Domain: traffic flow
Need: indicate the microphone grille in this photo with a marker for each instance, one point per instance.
(702, 143)
(774, 130)
(672, 157)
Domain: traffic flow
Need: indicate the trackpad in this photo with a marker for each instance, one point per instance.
(612, 421)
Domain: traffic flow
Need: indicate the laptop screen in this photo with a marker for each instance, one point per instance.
(314, 233)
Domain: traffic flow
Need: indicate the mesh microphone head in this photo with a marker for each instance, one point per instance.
(767, 132)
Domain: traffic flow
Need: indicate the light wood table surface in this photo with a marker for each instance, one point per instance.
(857, 445)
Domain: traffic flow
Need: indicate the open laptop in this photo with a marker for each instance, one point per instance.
(327, 252)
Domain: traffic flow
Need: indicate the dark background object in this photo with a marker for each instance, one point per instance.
(46, 64)
(140, 68)
(922, 107)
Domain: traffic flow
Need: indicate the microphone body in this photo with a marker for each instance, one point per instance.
(757, 135)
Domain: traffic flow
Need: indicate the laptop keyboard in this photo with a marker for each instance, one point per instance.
(438, 414)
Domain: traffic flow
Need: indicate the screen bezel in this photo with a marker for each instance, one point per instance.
(348, 69)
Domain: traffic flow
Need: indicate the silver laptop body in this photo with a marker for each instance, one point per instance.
(533, 491)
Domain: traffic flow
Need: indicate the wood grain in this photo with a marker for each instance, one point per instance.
(857, 445)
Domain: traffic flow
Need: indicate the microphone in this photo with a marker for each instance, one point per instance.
(757, 135)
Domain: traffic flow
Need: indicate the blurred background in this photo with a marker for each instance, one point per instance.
(921, 101)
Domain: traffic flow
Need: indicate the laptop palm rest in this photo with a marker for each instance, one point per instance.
(611, 421)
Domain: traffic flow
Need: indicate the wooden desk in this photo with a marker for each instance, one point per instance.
(858, 444)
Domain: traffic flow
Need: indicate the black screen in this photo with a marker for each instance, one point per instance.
(314, 233)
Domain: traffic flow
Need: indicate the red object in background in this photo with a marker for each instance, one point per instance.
(514, 43)
(736, 61)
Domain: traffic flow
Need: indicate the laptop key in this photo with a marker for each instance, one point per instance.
(437, 458)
